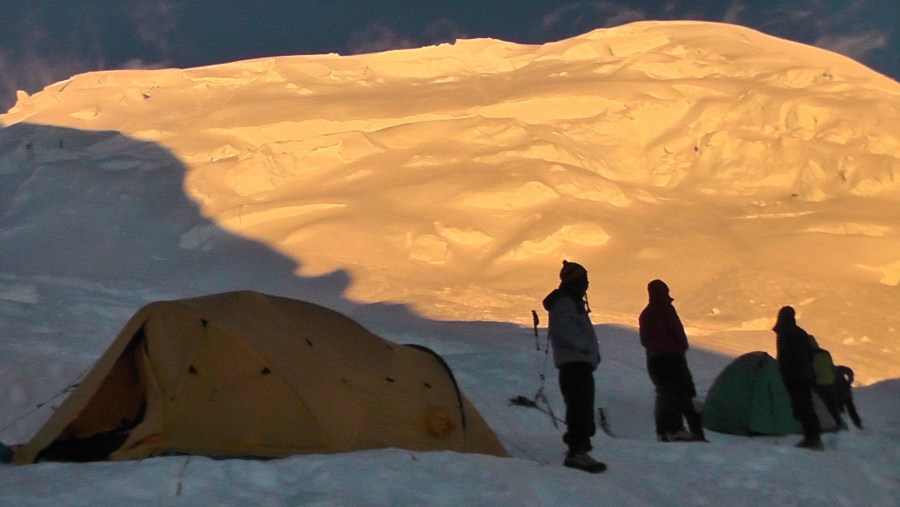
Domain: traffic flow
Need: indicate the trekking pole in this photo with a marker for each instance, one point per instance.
(539, 395)
(537, 345)
(180, 476)
(604, 422)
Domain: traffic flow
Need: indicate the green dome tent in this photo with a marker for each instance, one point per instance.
(749, 398)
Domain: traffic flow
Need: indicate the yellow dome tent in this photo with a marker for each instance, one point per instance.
(244, 374)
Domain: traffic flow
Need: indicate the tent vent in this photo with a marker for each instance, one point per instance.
(266, 371)
(204, 322)
(192, 370)
(389, 379)
(309, 343)
(427, 385)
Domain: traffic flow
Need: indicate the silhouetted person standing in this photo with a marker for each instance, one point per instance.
(576, 355)
(794, 349)
(666, 344)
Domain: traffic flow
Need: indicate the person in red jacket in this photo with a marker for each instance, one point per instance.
(666, 344)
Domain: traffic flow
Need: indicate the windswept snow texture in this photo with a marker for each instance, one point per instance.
(431, 194)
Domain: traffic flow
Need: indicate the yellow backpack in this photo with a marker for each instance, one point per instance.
(823, 367)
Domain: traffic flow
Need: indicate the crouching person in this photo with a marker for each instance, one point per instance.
(844, 393)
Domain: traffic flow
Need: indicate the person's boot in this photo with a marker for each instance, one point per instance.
(697, 434)
(678, 436)
(584, 461)
(698, 437)
(811, 443)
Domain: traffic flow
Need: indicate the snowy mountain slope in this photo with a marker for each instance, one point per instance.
(747, 171)
(431, 195)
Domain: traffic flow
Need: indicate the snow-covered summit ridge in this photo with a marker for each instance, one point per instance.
(664, 104)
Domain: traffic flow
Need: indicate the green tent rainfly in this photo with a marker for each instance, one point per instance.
(749, 398)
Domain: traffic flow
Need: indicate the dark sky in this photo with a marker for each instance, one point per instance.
(44, 41)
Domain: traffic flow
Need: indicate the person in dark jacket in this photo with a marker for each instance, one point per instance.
(663, 337)
(844, 393)
(794, 351)
(576, 355)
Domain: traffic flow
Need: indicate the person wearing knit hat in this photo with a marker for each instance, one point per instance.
(576, 355)
(666, 344)
(572, 272)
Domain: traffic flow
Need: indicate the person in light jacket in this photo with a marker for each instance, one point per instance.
(576, 355)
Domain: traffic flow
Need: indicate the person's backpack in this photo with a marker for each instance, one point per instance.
(823, 367)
